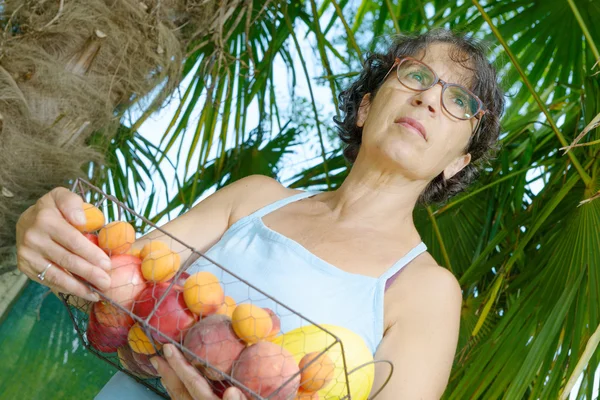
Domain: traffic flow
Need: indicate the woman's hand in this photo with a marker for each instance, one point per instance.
(183, 381)
(48, 241)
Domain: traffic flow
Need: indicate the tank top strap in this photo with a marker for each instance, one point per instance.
(282, 202)
(401, 263)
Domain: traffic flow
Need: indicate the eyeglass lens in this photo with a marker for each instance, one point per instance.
(460, 103)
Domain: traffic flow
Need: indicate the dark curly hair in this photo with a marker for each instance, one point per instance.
(483, 143)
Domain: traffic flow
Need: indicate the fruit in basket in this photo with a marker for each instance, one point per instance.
(317, 370)
(126, 280)
(153, 245)
(160, 265)
(172, 317)
(302, 395)
(91, 237)
(143, 361)
(251, 323)
(213, 341)
(219, 387)
(110, 315)
(308, 339)
(276, 324)
(116, 237)
(94, 219)
(129, 363)
(227, 307)
(139, 341)
(203, 293)
(106, 339)
(134, 252)
(264, 367)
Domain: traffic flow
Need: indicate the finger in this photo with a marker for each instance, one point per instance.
(170, 380)
(74, 241)
(55, 278)
(195, 383)
(75, 264)
(234, 393)
(70, 205)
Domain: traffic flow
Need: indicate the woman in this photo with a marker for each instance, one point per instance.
(418, 124)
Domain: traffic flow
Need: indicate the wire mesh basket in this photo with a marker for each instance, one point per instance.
(230, 330)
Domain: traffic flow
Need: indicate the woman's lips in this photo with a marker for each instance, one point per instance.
(413, 124)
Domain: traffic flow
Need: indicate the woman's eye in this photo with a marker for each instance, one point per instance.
(416, 76)
(460, 102)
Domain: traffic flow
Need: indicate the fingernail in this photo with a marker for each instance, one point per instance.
(93, 297)
(154, 363)
(106, 264)
(167, 350)
(79, 217)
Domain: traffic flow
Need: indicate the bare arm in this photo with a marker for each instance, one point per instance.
(422, 342)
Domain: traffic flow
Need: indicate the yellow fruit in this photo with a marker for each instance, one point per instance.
(154, 245)
(138, 341)
(251, 323)
(160, 265)
(309, 339)
(116, 238)
(94, 219)
(203, 293)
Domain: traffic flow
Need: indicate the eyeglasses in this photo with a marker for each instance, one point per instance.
(460, 102)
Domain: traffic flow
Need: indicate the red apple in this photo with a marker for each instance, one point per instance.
(172, 317)
(91, 237)
(126, 357)
(109, 315)
(106, 339)
(126, 280)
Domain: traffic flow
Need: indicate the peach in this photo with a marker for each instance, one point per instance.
(109, 315)
(138, 340)
(203, 293)
(172, 318)
(318, 374)
(116, 237)
(276, 324)
(251, 323)
(106, 339)
(129, 363)
(160, 265)
(91, 237)
(126, 280)
(153, 245)
(94, 219)
(213, 341)
(219, 387)
(227, 307)
(143, 362)
(264, 367)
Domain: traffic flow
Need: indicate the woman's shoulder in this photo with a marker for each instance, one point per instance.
(255, 192)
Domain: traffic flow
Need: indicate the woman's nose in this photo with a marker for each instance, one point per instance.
(429, 98)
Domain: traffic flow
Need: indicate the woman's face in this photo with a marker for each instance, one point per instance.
(401, 147)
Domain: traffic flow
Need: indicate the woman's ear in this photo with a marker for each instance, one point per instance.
(457, 165)
(363, 110)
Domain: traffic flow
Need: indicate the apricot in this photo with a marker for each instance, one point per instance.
(302, 395)
(160, 265)
(153, 245)
(227, 307)
(276, 325)
(94, 219)
(203, 293)
(134, 252)
(318, 374)
(251, 323)
(213, 341)
(264, 367)
(116, 237)
(139, 341)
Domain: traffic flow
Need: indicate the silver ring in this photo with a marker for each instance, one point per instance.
(41, 276)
